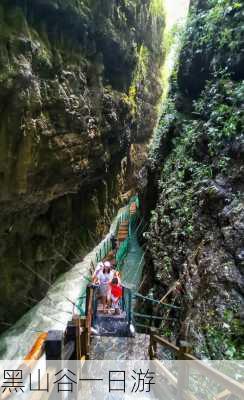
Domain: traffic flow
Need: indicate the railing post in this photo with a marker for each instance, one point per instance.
(123, 298)
(85, 339)
(152, 345)
(88, 320)
(77, 323)
(183, 369)
(130, 306)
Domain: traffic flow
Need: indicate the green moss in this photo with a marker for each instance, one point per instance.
(220, 106)
(156, 8)
(224, 340)
(218, 27)
(197, 141)
(140, 76)
(12, 22)
(53, 72)
(219, 121)
(80, 7)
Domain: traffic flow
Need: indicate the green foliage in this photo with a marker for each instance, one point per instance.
(172, 42)
(220, 108)
(156, 8)
(140, 76)
(12, 22)
(218, 27)
(224, 340)
(219, 121)
(168, 117)
(192, 145)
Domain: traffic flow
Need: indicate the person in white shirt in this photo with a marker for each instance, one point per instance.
(104, 277)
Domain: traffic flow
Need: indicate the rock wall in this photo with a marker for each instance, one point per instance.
(71, 101)
(195, 187)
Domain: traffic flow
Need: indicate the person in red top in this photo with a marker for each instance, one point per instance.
(116, 294)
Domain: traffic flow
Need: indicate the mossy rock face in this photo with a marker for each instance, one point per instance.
(66, 128)
(214, 41)
(196, 162)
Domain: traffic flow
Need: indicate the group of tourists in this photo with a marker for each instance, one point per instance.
(110, 289)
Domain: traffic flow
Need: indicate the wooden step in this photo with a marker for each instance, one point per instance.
(121, 238)
(123, 230)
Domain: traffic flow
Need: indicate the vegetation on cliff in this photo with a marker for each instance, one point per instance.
(196, 231)
(79, 87)
(66, 129)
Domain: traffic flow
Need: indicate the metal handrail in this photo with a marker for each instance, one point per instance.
(147, 316)
(106, 246)
(156, 301)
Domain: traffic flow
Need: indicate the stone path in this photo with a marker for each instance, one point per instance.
(120, 348)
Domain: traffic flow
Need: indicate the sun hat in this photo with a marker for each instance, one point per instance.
(107, 264)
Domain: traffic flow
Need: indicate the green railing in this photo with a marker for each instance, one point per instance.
(149, 299)
(122, 252)
(124, 216)
(147, 321)
(81, 305)
(127, 303)
(106, 247)
(124, 246)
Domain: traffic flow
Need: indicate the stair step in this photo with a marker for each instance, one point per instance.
(111, 327)
(111, 317)
(120, 348)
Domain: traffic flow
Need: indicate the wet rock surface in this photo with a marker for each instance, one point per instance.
(196, 231)
(66, 130)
